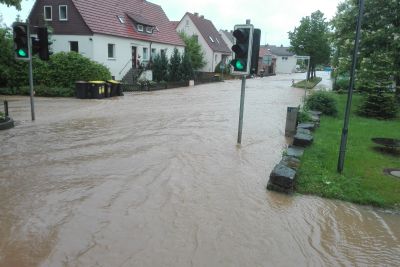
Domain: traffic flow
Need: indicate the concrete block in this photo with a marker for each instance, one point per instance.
(303, 140)
(294, 151)
(282, 176)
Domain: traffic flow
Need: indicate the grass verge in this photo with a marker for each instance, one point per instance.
(363, 180)
(311, 83)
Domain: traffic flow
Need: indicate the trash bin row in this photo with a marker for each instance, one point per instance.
(97, 89)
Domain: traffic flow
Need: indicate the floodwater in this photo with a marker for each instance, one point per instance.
(156, 179)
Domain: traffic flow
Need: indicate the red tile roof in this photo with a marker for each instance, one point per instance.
(101, 17)
(207, 30)
(175, 24)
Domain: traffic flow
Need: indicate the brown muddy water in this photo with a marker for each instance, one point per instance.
(156, 179)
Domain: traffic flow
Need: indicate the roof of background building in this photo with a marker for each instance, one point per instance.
(101, 16)
(209, 33)
(229, 35)
(278, 50)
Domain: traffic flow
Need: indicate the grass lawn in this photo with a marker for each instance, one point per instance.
(363, 180)
(310, 83)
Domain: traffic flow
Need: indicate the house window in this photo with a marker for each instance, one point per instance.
(217, 40)
(149, 29)
(140, 27)
(153, 53)
(111, 50)
(48, 14)
(187, 23)
(145, 53)
(163, 52)
(73, 46)
(63, 12)
(121, 19)
(211, 39)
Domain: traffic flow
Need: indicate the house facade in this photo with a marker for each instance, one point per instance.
(213, 45)
(228, 38)
(120, 34)
(266, 62)
(285, 60)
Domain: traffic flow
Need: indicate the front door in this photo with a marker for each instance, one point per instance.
(134, 58)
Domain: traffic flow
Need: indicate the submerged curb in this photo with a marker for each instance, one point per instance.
(7, 123)
(282, 178)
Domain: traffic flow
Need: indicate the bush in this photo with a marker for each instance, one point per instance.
(160, 67)
(40, 90)
(341, 84)
(322, 101)
(378, 105)
(303, 116)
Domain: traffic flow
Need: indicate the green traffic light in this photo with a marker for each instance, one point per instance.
(239, 65)
(22, 53)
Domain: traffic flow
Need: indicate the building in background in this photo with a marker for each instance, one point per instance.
(214, 48)
(120, 34)
(285, 60)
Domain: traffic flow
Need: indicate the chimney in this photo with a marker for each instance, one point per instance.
(202, 16)
(196, 14)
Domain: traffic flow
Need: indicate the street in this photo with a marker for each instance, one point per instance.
(157, 179)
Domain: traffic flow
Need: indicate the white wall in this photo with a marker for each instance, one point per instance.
(285, 66)
(228, 42)
(187, 26)
(123, 52)
(61, 43)
(96, 48)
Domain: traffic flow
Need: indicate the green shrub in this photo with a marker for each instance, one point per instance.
(303, 116)
(64, 69)
(322, 101)
(378, 105)
(341, 84)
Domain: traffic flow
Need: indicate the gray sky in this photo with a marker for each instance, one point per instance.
(274, 17)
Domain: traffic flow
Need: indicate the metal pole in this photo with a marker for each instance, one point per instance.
(345, 129)
(305, 89)
(6, 108)
(242, 94)
(31, 72)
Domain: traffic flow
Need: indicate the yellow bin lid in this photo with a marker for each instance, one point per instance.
(113, 81)
(96, 82)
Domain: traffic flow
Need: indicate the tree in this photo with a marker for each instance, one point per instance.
(193, 49)
(174, 66)
(186, 67)
(160, 67)
(379, 56)
(311, 39)
(15, 3)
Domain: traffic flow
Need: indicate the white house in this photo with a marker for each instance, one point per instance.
(228, 38)
(119, 34)
(213, 45)
(285, 60)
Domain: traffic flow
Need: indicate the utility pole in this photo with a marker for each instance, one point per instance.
(345, 129)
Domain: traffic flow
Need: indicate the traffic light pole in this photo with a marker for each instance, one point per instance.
(242, 94)
(31, 73)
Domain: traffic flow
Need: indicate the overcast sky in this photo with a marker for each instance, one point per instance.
(274, 17)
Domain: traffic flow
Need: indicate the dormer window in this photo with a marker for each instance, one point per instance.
(47, 13)
(121, 19)
(211, 39)
(140, 27)
(217, 40)
(63, 12)
(149, 29)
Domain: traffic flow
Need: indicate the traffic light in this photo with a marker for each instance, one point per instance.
(242, 48)
(255, 51)
(21, 41)
(40, 45)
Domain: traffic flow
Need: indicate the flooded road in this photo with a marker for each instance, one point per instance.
(156, 179)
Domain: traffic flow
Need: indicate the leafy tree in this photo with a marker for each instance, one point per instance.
(311, 38)
(174, 66)
(193, 49)
(160, 67)
(186, 67)
(379, 57)
(15, 3)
